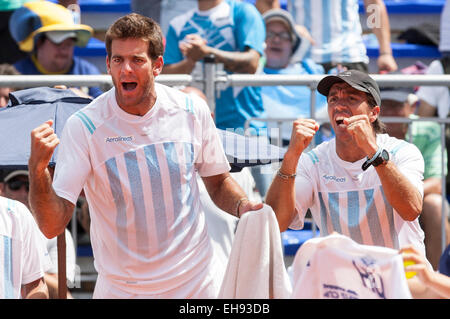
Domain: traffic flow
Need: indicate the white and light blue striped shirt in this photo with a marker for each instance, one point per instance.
(335, 27)
(139, 176)
(344, 198)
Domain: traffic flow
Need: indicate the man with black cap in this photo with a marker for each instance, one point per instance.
(362, 183)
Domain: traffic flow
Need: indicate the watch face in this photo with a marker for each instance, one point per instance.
(382, 158)
(385, 155)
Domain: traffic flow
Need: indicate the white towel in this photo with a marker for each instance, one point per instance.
(335, 267)
(256, 267)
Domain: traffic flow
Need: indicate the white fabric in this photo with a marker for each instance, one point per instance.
(256, 267)
(437, 96)
(345, 199)
(23, 257)
(444, 45)
(139, 173)
(221, 225)
(337, 267)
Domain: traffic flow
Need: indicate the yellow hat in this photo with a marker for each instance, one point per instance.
(35, 18)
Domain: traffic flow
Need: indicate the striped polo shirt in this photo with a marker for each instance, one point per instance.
(344, 198)
(139, 176)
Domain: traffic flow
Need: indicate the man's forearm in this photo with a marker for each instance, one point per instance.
(51, 212)
(381, 27)
(400, 193)
(225, 192)
(281, 193)
(238, 62)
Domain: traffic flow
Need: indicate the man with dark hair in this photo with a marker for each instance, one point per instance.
(136, 152)
(362, 183)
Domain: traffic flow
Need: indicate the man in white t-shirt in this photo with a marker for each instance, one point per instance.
(23, 256)
(136, 151)
(362, 184)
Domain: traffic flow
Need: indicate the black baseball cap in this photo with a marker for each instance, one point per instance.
(356, 79)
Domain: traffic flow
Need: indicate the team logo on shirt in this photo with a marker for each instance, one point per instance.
(334, 178)
(116, 139)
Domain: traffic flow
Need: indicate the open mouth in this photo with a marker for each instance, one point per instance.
(129, 86)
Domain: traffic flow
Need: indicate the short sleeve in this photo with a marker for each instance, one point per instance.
(250, 29)
(172, 53)
(212, 159)
(35, 256)
(73, 162)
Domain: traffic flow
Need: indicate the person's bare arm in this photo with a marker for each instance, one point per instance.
(281, 193)
(265, 5)
(426, 110)
(51, 212)
(432, 185)
(427, 283)
(226, 194)
(403, 196)
(399, 191)
(35, 290)
(195, 48)
(382, 30)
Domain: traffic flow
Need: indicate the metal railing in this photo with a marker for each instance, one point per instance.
(215, 80)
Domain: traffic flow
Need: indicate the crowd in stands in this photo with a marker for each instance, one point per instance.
(378, 184)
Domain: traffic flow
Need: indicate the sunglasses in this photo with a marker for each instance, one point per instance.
(16, 185)
(285, 36)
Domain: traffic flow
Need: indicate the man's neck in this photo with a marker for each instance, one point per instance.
(204, 5)
(348, 151)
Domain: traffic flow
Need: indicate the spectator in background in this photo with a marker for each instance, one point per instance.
(427, 137)
(234, 33)
(287, 101)
(47, 31)
(162, 11)
(6, 69)
(337, 32)
(15, 185)
(23, 256)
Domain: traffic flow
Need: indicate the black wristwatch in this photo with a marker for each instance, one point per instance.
(382, 158)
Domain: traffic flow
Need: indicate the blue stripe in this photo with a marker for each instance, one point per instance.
(119, 201)
(189, 153)
(173, 164)
(399, 146)
(353, 216)
(137, 195)
(323, 217)
(85, 121)
(159, 207)
(8, 286)
(312, 157)
(326, 28)
(373, 219)
(315, 156)
(333, 203)
(390, 217)
(307, 8)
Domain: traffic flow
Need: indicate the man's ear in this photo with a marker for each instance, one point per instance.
(374, 114)
(158, 65)
(108, 68)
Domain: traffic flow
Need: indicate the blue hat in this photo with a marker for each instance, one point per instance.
(36, 18)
